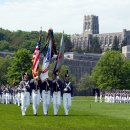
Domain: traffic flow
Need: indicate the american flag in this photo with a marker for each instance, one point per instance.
(46, 62)
(36, 57)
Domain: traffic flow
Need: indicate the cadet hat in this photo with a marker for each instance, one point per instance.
(55, 73)
(67, 75)
(25, 73)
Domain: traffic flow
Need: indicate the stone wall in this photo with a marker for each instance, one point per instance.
(81, 64)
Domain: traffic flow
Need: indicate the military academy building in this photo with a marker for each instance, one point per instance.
(91, 30)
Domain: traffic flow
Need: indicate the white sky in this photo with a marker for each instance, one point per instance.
(67, 15)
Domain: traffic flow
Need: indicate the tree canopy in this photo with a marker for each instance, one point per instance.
(112, 71)
(12, 41)
(86, 83)
(4, 64)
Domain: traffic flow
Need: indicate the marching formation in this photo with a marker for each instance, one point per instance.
(117, 96)
(35, 91)
(41, 88)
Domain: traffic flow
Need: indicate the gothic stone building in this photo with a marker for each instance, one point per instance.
(91, 30)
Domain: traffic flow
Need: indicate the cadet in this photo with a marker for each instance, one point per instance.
(101, 95)
(35, 87)
(67, 94)
(56, 90)
(25, 93)
(18, 96)
(46, 95)
(0, 95)
(7, 94)
(96, 96)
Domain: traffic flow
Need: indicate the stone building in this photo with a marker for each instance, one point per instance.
(91, 30)
(126, 51)
(80, 64)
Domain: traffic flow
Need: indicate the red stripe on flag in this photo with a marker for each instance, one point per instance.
(35, 62)
(59, 58)
(44, 71)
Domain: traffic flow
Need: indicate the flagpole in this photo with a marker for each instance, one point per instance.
(40, 36)
(36, 56)
(60, 55)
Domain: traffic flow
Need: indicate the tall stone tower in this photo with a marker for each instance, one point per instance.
(90, 24)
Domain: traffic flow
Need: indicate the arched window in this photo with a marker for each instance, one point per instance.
(106, 41)
(110, 41)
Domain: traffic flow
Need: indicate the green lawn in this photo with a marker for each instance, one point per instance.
(85, 114)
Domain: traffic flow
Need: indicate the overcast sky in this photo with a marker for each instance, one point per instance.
(67, 15)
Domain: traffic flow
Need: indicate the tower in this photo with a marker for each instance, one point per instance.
(90, 24)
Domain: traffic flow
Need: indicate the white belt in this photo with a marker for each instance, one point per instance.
(36, 91)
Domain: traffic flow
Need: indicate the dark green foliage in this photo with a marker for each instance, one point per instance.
(12, 41)
(86, 83)
(95, 46)
(115, 45)
(78, 49)
(4, 64)
(62, 71)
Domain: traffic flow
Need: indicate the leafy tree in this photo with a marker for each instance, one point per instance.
(86, 50)
(86, 83)
(77, 49)
(115, 45)
(62, 72)
(4, 64)
(95, 46)
(13, 41)
(4, 45)
(67, 42)
(21, 63)
(112, 71)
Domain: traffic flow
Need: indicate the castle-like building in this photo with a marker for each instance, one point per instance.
(91, 30)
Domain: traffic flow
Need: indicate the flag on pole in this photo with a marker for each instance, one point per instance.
(50, 35)
(60, 57)
(36, 57)
(46, 62)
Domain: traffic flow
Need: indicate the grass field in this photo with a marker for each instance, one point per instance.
(85, 114)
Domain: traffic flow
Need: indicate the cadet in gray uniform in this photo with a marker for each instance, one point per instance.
(67, 94)
(46, 95)
(35, 88)
(25, 93)
(56, 90)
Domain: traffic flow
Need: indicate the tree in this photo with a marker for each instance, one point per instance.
(21, 63)
(95, 46)
(112, 71)
(13, 41)
(115, 45)
(87, 83)
(62, 71)
(4, 64)
(4, 45)
(68, 44)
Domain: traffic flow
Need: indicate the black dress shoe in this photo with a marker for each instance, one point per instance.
(35, 114)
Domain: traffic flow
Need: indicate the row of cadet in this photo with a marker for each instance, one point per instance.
(39, 91)
(116, 96)
(9, 94)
